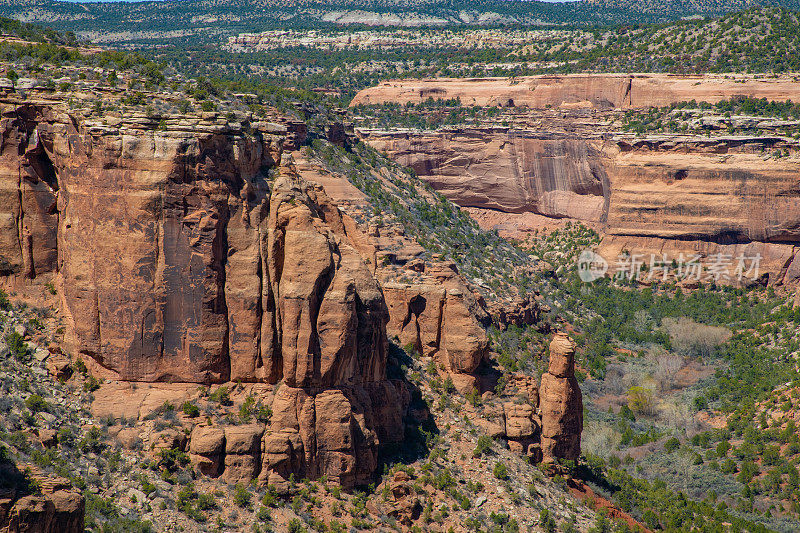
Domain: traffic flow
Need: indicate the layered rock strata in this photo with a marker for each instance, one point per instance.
(657, 195)
(56, 508)
(565, 158)
(179, 257)
(581, 90)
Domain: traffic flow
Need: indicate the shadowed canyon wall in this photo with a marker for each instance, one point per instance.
(661, 194)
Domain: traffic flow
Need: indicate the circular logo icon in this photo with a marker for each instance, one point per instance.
(591, 266)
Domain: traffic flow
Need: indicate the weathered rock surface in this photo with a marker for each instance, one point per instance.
(590, 90)
(441, 318)
(653, 196)
(58, 508)
(510, 172)
(561, 403)
(566, 159)
(242, 453)
(179, 259)
(402, 504)
(207, 450)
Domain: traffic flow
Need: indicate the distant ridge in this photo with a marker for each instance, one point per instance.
(208, 20)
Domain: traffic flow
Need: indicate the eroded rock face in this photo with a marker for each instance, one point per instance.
(179, 258)
(57, 509)
(584, 90)
(504, 171)
(330, 314)
(157, 238)
(207, 450)
(242, 453)
(564, 158)
(561, 403)
(28, 191)
(441, 318)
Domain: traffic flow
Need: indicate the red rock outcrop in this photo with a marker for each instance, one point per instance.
(589, 90)
(566, 158)
(440, 318)
(561, 403)
(436, 312)
(662, 195)
(242, 453)
(333, 433)
(522, 430)
(180, 259)
(207, 450)
(543, 422)
(505, 171)
(522, 312)
(57, 508)
(402, 503)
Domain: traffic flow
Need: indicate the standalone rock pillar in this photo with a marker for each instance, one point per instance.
(561, 403)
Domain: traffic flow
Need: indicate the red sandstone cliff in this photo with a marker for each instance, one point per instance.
(584, 90)
(671, 196)
(180, 257)
(563, 159)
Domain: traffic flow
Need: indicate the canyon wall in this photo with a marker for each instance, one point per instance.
(513, 172)
(649, 196)
(691, 194)
(583, 90)
(178, 256)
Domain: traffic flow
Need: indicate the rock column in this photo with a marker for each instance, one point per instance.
(561, 403)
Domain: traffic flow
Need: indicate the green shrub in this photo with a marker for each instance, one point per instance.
(671, 445)
(172, 459)
(66, 436)
(241, 496)
(500, 471)
(93, 441)
(91, 384)
(723, 448)
(221, 396)
(5, 303)
(36, 403)
(296, 526)
(483, 446)
(190, 409)
(205, 502)
(17, 345)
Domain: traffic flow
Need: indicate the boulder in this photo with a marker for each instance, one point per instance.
(527, 387)
(519, 421)
(59, 366)
(242, 453)
(48, 437)
(130, 438)
(58, 509)
(402, 504)
(207, 450)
